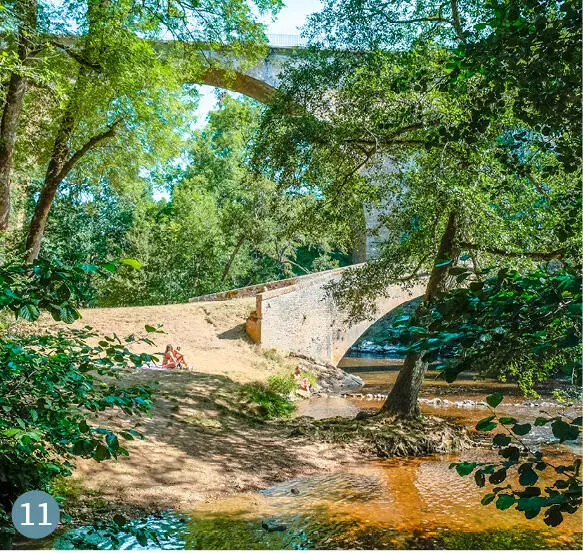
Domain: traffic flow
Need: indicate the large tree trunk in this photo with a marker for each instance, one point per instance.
(27, 13)
(403, 398)
(60, 165)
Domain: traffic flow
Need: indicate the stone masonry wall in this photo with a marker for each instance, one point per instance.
(303, 319)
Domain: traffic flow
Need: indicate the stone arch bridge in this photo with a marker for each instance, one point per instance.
(298, 315)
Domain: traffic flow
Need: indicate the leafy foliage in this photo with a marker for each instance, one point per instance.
(529, 467)
(28, 289)
(271, 400)
(223, 226)
(52, 384)
(282, 384)
(501, 323)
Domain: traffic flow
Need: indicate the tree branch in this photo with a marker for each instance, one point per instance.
(456, 21)
(554, 255)
(76, 56)
(93, 141)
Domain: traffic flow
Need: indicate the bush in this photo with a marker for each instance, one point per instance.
(52, 385)
(281, 384)
(275, 404)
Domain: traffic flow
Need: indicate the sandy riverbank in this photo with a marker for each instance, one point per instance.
(200, 445)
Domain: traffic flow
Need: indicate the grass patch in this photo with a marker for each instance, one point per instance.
(273, 355)
(273, 403)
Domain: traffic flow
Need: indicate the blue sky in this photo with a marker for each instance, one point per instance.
(287, 22)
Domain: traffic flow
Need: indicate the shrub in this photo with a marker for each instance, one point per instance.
(275, 404)
(281, 384)
(52, 385)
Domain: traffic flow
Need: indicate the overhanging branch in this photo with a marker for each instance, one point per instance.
(543, 256)
(93, 141)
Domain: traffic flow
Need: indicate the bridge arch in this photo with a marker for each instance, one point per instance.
(302, 318)
(260, 81)
(237, 81)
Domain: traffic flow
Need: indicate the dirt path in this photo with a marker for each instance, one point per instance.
(201, 443)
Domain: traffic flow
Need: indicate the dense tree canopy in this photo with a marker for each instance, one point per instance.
(433, 113)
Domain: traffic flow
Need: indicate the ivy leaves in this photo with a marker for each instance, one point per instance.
(517, 475)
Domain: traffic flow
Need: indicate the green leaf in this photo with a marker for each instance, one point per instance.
(512, 453)
(553, 516)
(29, 312)
(11, 432)
(507, 420)
(488, 499)
(494, 399)
(498, 476)
(486, 424)
(540, 421)
(530, 492)
(131, 262)
(505, 501)
(563, 431)
(528, 477)
(480, 478)
(444, 263)
(521, 429)
(119, 520)
(501, 439)
(101, 453)
(465, 468)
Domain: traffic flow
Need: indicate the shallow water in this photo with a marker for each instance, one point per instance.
(414, 503)
(398, 503)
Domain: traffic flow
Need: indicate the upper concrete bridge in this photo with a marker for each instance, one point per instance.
(299, 316)
(259, 80)
(225, 68)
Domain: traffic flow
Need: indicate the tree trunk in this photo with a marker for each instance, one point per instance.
(53, 178)
(27, 12)
(232, 257)
(403, 398)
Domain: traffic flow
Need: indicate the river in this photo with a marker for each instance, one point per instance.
(413, 503)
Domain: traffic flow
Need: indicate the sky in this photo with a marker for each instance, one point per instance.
(287, 22)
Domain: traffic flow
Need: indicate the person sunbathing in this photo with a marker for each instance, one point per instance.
(180, 359)
(169, 360)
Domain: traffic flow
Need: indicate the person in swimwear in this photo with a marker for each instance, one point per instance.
(180, 360)
(169, 360)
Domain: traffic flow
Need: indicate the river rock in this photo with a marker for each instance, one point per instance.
(271, 525)
(330, 378)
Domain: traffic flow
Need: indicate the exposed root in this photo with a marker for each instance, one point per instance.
(385, 436)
